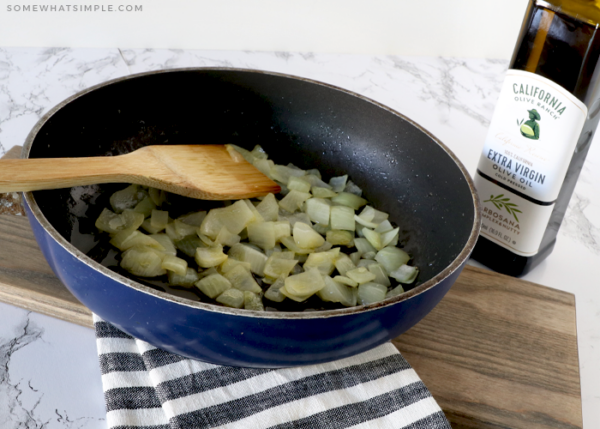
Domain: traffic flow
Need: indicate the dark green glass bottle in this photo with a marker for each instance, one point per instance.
(559, 41)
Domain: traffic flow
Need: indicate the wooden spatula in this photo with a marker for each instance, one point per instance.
(208, 172)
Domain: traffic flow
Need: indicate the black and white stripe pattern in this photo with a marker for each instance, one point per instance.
(146, 387)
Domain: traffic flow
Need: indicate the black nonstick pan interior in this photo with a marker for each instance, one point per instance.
(401, 168)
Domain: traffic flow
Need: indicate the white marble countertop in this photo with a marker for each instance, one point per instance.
(48, 368)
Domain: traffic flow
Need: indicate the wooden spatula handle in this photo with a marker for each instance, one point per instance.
(51, 173)
(197, 171)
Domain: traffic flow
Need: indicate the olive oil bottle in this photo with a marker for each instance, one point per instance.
(540, 133)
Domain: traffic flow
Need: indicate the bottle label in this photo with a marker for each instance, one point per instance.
(527, 151)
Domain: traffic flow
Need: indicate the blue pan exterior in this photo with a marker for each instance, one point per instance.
(231, 339)
(439, 205)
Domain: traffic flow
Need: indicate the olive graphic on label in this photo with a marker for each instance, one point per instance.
(530, 128)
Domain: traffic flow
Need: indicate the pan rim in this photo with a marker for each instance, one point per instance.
(456, 264)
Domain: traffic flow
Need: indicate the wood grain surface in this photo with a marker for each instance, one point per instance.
(207, 171)
(497, 352)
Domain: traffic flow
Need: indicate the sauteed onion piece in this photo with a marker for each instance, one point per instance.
(316, 238)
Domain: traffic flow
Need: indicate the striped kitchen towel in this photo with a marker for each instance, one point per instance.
(145, 387)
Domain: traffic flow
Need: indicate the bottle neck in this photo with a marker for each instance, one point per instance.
(560, 47)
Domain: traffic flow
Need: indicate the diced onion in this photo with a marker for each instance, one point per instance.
(291, 242)
(302, 286)
(268, 208)
(147, 226)
(373, 215)
(238, 153)
(232, 298)
(363, 245)
(264, 166)
(390, 237)
(175, 264)
(318, 210)
(369, 255)
(298, 184)
(127, 198)
(294, 200)
(143, 261)
(211, 225)
(110, 222)
(352, 188)
(384, 226)
(242, 279)
(158, 196)
(278, 267)
(361, 275)
(323, 261)
(256, 216)
(381, 276)
(374, 238)
(231, 263)
(236, 217)
(194, 218)
(346, 281)
(338, 183)
(405, 274)
(391, 258)
(171, 232)
(398, 290)
(321, 229)
(189, 244)
(350, 200)
(339, 238)
(184, 229)
(344, 263)
(214, 285)
(166, 243)
(245, 253)
(342, 217)
(252, 301)
(282, 229)
(259, 152)
(145, 206)
(320, 192)
(314, 180)
(364, 222)
(273, 293)
(333, 291)
(188, 280)
(314, 172)
(127, 239)
(207, 257)
(227, 238)
(262, 234)
(369, 293)
(366, 263)
(159, 219)
(282, 173)
(292, 218)
(305, 236)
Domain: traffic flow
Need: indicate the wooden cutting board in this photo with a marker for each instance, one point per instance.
(497, 352)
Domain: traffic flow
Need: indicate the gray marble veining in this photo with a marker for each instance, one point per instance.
(13, 410)
(27, 399)
(34, 80)
(578, 224)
